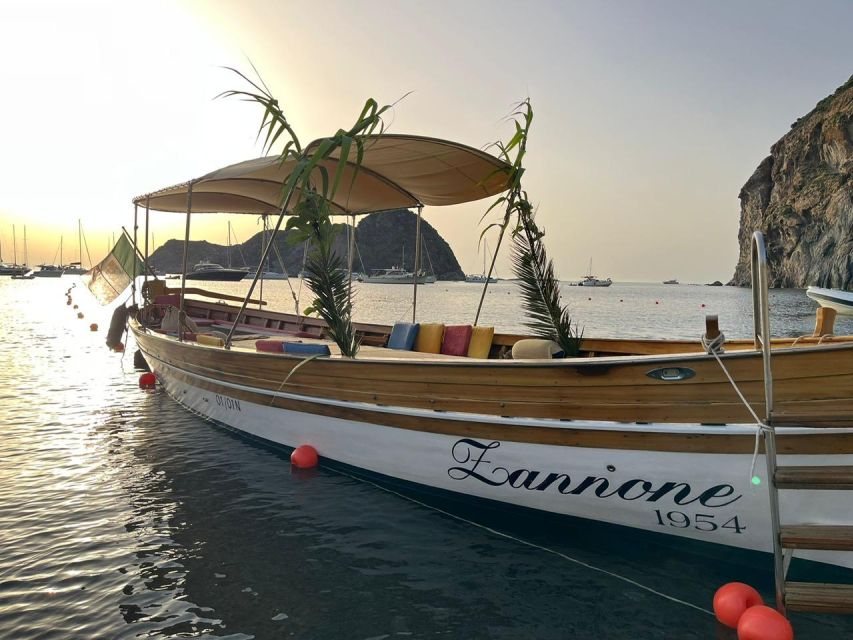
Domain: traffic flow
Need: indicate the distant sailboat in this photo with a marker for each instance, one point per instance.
(590, 280)
(13, 269)
(51, 270)
(27, 273)
(76, 268)
(481, 277)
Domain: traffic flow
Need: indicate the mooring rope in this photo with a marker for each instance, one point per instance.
(527, 543)
(715, 348)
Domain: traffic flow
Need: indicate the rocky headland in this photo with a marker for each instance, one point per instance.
(801, 197)
(384, 240)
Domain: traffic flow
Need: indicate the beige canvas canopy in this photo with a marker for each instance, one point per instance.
(397, 171)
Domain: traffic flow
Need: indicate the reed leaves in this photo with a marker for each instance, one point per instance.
(547, 316)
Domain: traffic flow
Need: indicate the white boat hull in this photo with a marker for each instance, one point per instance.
(702, 496)
(841, 301)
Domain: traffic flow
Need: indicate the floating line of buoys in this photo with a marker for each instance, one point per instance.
(304, 457)
(732, 599)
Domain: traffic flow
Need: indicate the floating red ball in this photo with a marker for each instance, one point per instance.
(304, 457)
(732, 599)
(147, 381)
(93, 326)
(80, 314)
(764, 623)
(119, 347)
(75, 307)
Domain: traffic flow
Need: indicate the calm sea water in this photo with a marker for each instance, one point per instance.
(124, 516)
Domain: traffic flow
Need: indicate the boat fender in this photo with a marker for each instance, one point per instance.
(147, 381)
(732, 600)
(118, 323)
(304, 457)
(764, 623)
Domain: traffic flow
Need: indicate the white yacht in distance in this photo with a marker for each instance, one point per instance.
(590, 280)
(396, 275)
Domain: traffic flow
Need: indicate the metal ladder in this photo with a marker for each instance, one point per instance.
(796, 596)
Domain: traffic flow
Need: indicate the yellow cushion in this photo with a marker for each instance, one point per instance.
(429, 338)
(212, 341)
(481, 342)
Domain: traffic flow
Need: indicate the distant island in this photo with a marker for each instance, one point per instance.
(384, 240)
(801, 197)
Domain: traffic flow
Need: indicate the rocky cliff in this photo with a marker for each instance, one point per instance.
(384, 240)
(801, 197)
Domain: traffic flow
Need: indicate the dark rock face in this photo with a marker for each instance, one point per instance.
(801, 197)
(382, 239)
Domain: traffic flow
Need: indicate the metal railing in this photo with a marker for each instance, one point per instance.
(761, 318)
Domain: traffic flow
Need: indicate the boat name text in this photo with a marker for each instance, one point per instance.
(228, 403)
(471, 457)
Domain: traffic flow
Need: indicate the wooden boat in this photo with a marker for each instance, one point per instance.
(644, 434)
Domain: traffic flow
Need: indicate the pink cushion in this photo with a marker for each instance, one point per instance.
(270, 346)
(173, 299)
(456, 339)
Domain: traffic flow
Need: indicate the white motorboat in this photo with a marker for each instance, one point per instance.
(841, 301)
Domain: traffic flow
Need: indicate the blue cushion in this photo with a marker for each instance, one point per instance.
(403, 336)
(305, 349)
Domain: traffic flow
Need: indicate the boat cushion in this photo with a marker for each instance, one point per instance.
(269, 346)
(456, 339)
(429, 338)
(403, 336)
(306, 349)
(536, 349)
(210, 340)
(481, 342)
(173, 299)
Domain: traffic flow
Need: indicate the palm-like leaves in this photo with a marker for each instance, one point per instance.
(310, 219)
(540, 289)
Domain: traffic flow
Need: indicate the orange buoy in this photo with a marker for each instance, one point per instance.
(304, 456)
(702, 305)
(147, 381)
(93, 326)
(80, 314)
(732, 599)
(119, 346)
(763, 623)
(75, 307)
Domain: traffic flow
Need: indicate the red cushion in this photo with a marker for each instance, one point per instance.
(270, 346)
(456, 339)
(173, 299)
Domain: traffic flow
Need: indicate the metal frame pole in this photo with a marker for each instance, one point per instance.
(135, 226)
(145, 261)
(184, 263)
(283, 212)
(417, 264)
(350, 258)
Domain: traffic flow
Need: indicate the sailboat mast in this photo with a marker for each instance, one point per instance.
(229, 244)
(26, 253)
(14, 247)
(60, 251)
(80, 242)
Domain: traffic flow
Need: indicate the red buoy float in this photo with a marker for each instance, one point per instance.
(68, 302)
(732, 599)
(118, 347)
(93, 326)
(80, 315)
(304, 457)
(147, 381)
(75, 307)
(764, 623)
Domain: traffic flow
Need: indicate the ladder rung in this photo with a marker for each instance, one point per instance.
(814, 477)
(830, 537)
(819, 597)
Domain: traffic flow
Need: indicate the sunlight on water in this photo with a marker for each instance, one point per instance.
(124, 516)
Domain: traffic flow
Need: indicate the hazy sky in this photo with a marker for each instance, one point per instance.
(649, 116)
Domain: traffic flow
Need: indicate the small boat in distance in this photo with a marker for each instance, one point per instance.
(590, 280)
(77, 268)
(396, 275)
(213, 271)
(481, 278)
(841, 301)
(49, 271)
(673, 281)
(14, 269)
(266, 275)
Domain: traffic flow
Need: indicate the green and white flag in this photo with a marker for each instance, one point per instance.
(114, 273)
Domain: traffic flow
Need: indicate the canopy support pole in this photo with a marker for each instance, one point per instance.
(350, 258)
(182, 313)
(489, 274)
(135, 227)
(266, 253)
(417, 268)
(145, 269)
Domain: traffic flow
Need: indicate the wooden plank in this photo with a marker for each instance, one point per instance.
(805, 477)
(819, 597)
(830, 537)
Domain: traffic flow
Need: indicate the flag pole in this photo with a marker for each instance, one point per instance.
(181, 314)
